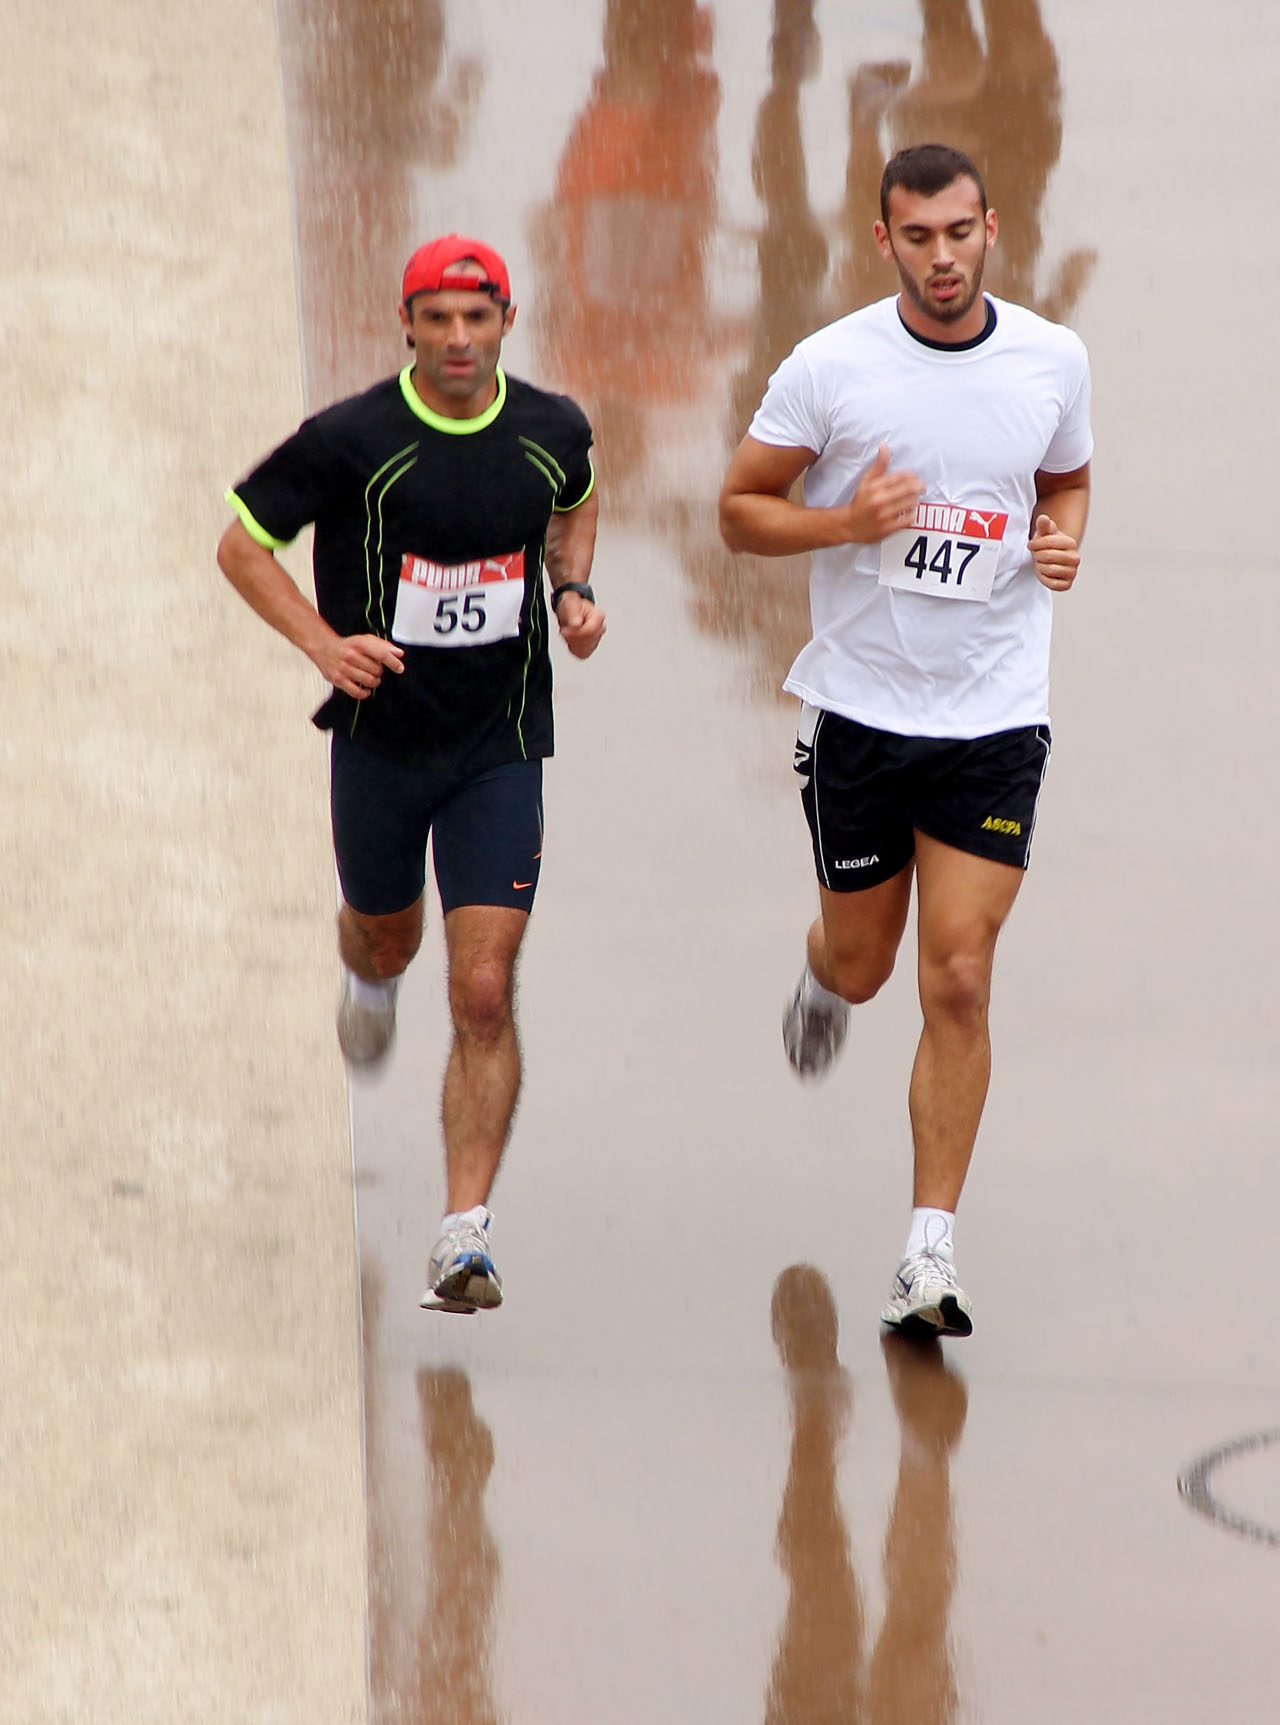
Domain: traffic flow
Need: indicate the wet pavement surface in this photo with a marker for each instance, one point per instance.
(680, 1475)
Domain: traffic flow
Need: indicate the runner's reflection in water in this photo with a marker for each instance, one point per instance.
(372, 94)
(1002, 105)
(462, 1558)
(433, 1562)
(821, 1674)
(764, 601)
(818, 1671)
(622, 316)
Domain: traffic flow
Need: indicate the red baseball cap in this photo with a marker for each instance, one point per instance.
(424, 272)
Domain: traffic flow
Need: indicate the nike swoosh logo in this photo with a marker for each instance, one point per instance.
(521, 885)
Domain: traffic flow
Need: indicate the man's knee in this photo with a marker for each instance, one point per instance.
(856, 978)
(481, 998)
(956, 985)
(385, 945)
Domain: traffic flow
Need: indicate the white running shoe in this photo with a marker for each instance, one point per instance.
(813, 1030)
(365, 1033)
(460, 1275)
(926, 1299)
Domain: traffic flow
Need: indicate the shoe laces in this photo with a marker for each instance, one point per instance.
(927, 1264)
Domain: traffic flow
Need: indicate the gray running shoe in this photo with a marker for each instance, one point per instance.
(365, 1033)
(460, 1275)
(813, 1031)
(926, 1299)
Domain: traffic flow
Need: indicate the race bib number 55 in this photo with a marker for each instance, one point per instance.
(459, 604)
(949, 552)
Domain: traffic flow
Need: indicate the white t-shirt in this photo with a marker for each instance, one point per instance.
(943, 630)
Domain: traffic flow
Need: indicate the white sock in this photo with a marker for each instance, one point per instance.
(931, 1231)
(374, 995)
(477, 1214)
(823, 996)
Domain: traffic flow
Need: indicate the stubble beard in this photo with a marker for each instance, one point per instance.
(945, 313)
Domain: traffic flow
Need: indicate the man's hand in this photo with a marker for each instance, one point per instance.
(1056, 554)
(884, 503)
(355, 663)
(581, 624)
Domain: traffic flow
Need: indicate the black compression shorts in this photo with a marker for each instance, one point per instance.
(866, 793)
(485, 829)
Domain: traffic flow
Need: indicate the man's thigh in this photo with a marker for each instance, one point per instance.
(855, 788)
(482, 942)
(964, 901)
(487, 839)
(381, 812)
(861, 931)
(980, 794)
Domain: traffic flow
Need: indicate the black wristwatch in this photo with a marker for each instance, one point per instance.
(579, 587)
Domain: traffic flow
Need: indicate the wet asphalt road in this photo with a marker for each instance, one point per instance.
(679, 1475)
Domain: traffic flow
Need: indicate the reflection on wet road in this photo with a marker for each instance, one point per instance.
(435, 1546)
(823, 1673)
(648, 1487)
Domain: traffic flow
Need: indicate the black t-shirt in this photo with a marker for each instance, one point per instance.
(430, 532)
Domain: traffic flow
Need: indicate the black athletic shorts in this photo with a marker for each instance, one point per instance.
(486, 831)
(866, 793)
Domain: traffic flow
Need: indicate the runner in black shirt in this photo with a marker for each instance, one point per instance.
(438, 497)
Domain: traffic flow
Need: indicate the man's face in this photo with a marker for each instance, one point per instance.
(940, 245)
(456, 336)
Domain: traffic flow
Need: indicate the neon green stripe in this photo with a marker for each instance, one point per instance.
(547, 456)
(568, 508)
(550, 478)
(368, 565)
(535, 621)
(255, 529)
(382, 586)
(454, 427)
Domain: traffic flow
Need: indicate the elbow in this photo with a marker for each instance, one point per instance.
(235, 554)
(224, 553)
(730, 519)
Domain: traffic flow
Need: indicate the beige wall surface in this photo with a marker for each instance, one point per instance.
(180, 1495)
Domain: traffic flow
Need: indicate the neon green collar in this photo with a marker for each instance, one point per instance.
(454, 427)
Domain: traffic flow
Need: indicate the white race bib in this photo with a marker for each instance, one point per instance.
(459, 604)
(950, 552)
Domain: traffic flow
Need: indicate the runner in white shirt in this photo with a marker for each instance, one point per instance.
(944, 441)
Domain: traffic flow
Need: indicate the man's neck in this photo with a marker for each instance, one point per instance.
(938, 332)
(447, 407)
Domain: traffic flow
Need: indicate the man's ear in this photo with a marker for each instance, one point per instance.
(406, 325)
(508, 320)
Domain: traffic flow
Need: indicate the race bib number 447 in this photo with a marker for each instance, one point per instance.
(949, 552)
(459, 604)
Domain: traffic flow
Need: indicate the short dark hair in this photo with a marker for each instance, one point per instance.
(927, 169)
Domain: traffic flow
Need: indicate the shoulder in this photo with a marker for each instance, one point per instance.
(358, 414)
(815, 375)
(846, 335)
(1027, 328)
(529, 405)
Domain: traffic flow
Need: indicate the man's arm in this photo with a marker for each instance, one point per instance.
(757, 514)
(354, 663)
(571, 545)
(1059, 526)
